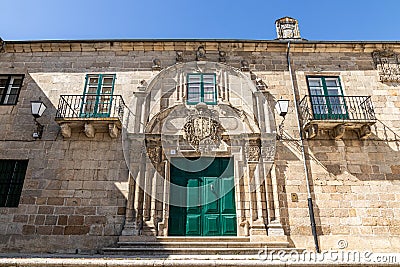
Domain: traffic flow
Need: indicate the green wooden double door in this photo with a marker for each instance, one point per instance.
(203, 203)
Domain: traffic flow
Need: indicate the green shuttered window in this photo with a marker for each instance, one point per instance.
(98, 95)
(327, 98)
(201, 87)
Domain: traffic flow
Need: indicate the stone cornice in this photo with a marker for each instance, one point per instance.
(192, 45)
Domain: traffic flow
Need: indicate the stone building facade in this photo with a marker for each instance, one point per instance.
(144, 139)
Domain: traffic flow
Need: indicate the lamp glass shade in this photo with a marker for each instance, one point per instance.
(282, 106)
(38, 107)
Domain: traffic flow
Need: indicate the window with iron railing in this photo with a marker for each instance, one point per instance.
(327, 99)
(97, 95)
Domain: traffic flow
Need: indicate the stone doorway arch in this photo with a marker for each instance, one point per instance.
(162, 126)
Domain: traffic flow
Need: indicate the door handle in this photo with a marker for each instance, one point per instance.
(212, 189)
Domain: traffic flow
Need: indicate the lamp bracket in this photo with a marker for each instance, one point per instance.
(39, 130)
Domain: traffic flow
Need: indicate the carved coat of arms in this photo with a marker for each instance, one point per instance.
(202, 133)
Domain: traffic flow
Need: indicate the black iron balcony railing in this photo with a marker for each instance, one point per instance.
(343, 108)
(90, 106)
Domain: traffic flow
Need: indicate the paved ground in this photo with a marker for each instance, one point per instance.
(78, 260)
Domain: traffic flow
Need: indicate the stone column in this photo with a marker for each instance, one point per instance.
(163, 225)
(257, 226)
(274, 226)
(131, 192)
(258, 178)
(241, 200)
(149, 179)
(135, 155)
(138, 115)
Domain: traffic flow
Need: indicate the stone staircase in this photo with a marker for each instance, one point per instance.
(195, 247)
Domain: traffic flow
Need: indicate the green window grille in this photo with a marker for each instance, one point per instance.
(98, 95)
(10, 87)
(12, 175)
(327, 99)
(201, 87)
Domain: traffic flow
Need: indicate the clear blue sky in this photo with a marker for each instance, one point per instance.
(187, 19)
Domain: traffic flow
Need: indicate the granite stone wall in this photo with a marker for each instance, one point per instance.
(75, 190)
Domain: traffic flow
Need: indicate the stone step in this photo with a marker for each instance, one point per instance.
(207, 246)
(52, 260)
(142, 246)
(203, 239)
(163, 252)
(210, 239)
(215, 244)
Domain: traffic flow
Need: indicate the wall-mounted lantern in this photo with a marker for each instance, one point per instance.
(282, 107)
(37, 108)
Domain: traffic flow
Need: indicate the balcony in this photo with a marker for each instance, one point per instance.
(90, 113)
(337, 113)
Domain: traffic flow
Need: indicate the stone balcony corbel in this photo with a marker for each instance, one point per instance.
(74, 116)
(113, 130)
(365, 132)
(338, 131)
(66, 130)
(89, 130)
(311, 131)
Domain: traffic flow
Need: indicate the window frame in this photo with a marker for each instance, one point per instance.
(5, 95)
(95, 101)
(202, 92)
(334, 106)
(12, 178)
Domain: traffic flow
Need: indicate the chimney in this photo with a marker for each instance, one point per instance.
(2, 45)
(287, 28)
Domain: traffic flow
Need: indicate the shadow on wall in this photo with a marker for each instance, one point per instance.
(340, 171)
(69, 199)
(376, 158)
(17, 120)
(292, 180)
(283, 155)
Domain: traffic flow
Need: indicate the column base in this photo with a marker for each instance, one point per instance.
(275, 229)
(258, 228)
(130, 229)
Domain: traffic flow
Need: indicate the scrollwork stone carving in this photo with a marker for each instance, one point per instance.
(268, 150)
(253, 151)
(388, 64)
(154, 153)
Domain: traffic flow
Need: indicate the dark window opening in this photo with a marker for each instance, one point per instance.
(12, 175)
(10, 87)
